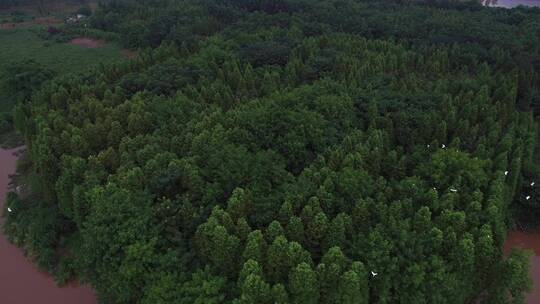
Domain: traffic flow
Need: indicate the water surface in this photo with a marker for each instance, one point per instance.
(20, 281)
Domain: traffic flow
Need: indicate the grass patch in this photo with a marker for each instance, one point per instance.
(24, 43)
(21, 44)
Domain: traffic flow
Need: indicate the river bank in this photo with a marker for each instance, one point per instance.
(21, 282)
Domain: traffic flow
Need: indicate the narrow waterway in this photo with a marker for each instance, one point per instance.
(530, 241)
(20, 281)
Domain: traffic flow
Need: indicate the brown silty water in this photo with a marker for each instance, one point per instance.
(20, 281)
(529, 241)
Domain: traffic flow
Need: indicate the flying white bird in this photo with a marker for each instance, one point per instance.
(453, 190)
(9, 209)
(443, 146)
(528, 197)
(532, 184)
(374, 273)
(505, 173)
(434, 188)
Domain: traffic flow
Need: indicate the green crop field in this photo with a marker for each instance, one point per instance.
(22, 44)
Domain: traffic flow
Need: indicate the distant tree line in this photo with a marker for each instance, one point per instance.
(40, 4)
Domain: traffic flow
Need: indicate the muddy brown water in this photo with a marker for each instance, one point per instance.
(529, 241)
(20, 281)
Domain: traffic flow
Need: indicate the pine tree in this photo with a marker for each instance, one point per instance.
(303, 285)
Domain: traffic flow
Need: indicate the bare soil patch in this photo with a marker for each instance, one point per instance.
(47, 21)
(129, 53)
(91, 43)
(88, 43)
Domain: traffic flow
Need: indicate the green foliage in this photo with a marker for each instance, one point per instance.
(35, 227)
(85, 10)
(26, 61)
(291, 152)
(303, 285)
(24, 44)
(22, 79)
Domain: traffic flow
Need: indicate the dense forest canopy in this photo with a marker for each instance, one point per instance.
(289, 151)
